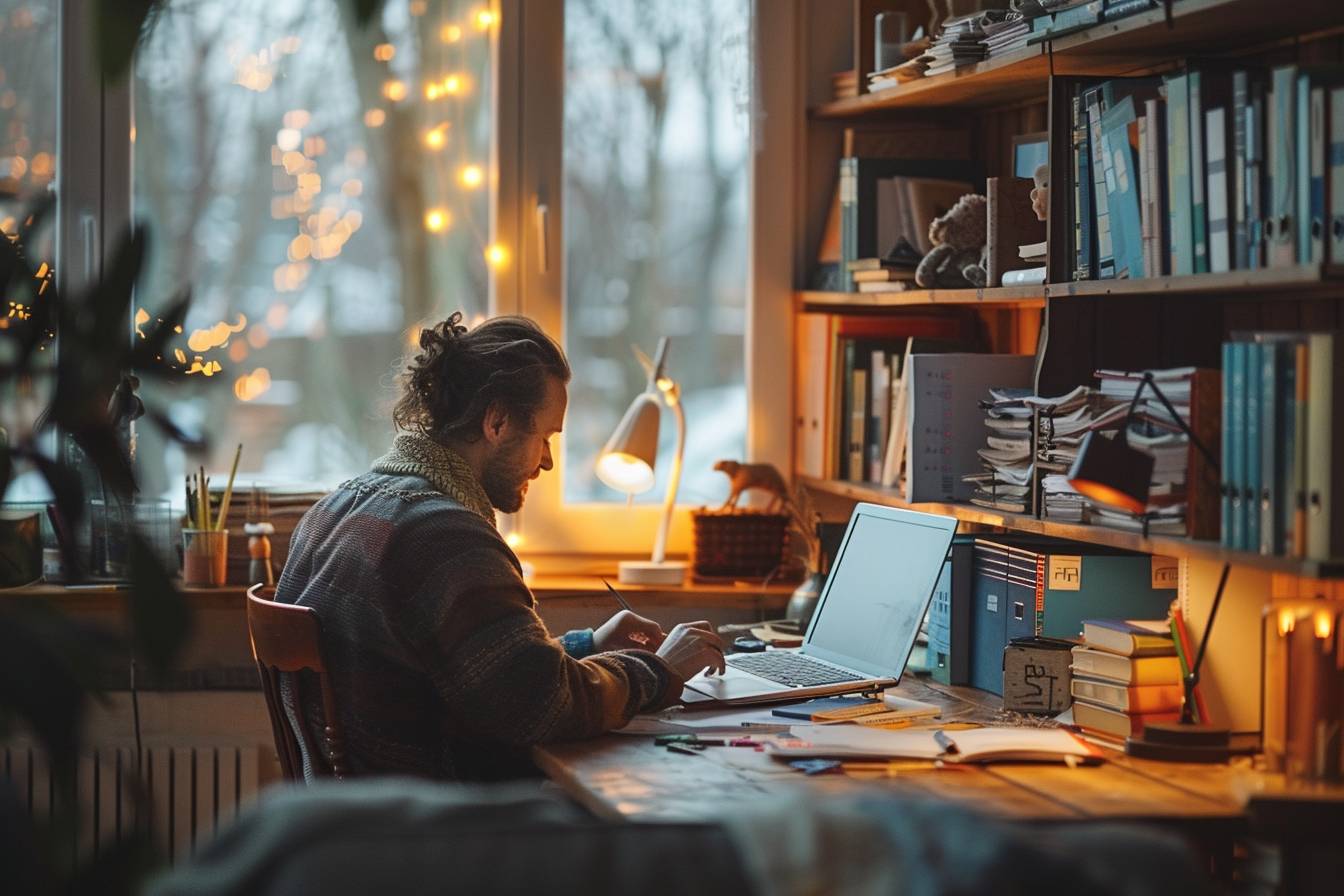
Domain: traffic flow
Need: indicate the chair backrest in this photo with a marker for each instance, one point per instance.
(288, 638)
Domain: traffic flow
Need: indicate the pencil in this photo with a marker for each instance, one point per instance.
(228, 489)
(616, 594)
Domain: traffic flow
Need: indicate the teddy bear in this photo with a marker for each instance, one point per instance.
(959, 256)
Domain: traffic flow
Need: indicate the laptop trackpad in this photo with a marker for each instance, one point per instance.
(731, 685)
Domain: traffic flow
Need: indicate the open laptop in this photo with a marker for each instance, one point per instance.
(866, 620)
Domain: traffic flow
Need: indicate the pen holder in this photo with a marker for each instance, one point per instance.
(205, 556)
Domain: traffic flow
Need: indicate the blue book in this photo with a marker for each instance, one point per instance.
(805, 711)
(1234, 422)
(1181, 224)
(1241, 96)
(1122, 187)
(1271, 431)
(1251, 469)
(1303, 163)
(1085, 267)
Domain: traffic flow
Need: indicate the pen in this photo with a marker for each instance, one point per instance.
(944, 741)
(619, 599)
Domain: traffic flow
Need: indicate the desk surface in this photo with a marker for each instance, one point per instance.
(620, 776)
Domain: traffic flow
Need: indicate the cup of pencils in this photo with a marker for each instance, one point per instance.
(205, 539)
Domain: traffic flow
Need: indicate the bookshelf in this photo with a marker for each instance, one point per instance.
(1138, 44)
(1154, 322)
(1100, 535)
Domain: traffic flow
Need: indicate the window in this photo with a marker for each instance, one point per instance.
(322, 188)
(640, 112)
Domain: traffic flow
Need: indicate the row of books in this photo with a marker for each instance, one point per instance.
(1283, 425)
(1126, 674)
(1210, 170)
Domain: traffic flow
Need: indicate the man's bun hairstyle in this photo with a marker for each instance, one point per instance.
(459, 374)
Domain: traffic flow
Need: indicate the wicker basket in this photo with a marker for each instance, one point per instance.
(739, 543)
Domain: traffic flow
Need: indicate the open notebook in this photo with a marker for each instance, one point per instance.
(972, 745)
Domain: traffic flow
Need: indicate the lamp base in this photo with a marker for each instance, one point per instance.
(646, 572)
(1174, 742)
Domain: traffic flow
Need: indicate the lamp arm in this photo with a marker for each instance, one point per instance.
(1192, 677)
(1185, 427)
(674, 479)
(659, 360)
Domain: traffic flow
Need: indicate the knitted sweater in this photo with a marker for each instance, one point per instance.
(440, 665)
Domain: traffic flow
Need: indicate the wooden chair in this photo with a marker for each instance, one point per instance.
(288, 638)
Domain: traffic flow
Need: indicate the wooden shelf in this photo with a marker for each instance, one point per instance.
(1291, 283)
(1165, 545)
(1018, 296)
(1133, 45)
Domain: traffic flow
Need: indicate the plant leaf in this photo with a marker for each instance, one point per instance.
(111, 297)
(160, 617)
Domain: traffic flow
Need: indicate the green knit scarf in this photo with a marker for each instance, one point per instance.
(445, 469)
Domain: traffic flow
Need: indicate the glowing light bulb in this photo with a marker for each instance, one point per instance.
(384, 52)
(1324, 624)
(484, 18)
(471, 176)
(394, 90)
(452, 85)
(496, 255)
(437, 220)
(437, 137)
(450, 34)
(374, 118)
(432, 90)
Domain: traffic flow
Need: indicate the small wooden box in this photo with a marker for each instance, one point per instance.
(1036, 675)
(739, 543)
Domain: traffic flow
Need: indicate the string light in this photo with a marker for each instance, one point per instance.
(374, 118)
(496, 255)
(484, 19)
(450, 34)
(436, 138)
(471, 176)
(454, 84)
(384, 52)
(437, 220)
(394, 90)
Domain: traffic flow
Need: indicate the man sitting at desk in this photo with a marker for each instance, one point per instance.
(440, 665)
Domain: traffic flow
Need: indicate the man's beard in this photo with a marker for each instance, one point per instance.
(503, 479)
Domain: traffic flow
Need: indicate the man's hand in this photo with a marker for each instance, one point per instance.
(626, 631)
(692, 647)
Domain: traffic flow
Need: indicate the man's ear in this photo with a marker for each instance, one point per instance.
(494, 423)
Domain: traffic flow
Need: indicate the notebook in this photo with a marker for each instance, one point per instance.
(866, 620)
(974, 745)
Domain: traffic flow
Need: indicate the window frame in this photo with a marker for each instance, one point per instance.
(529, 108)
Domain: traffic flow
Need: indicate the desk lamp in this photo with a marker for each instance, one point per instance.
(626, 464)
(1113, 472)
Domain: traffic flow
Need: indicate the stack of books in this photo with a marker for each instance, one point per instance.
(893, 272)
(1126, 674)
(961, 42)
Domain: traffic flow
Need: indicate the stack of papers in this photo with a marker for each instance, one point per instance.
(1005, 31)
(1004, 483)
(960, 43)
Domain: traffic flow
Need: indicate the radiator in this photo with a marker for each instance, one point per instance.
(192, 791)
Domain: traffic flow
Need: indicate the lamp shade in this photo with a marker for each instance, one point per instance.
(1112, 472)
(626, 461)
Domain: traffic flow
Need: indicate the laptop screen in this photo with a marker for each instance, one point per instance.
(879, 590)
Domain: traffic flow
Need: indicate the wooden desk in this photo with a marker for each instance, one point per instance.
(621, 776)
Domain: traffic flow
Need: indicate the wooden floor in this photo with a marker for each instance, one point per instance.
(621, 776)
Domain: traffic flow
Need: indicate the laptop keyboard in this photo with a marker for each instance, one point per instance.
(792, 669)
